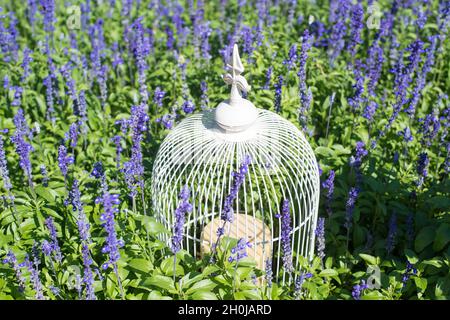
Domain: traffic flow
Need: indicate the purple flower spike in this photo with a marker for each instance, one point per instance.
(183, 208)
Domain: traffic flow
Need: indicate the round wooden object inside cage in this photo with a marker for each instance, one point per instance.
(244, 226)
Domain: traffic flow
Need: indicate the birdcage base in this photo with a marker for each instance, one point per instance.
(244, 226)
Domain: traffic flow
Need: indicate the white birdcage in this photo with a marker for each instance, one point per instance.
(203, 151)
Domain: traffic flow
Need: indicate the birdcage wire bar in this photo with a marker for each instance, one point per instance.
(201, 155)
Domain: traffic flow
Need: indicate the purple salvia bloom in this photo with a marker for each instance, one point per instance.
(4, 172)
(6, 82)
(422, 164)
(204, 97)
(374, 65)
(370, 110)
(248, 39)
(12, 261)
(359, 289)
(299, 283)
(134, 169)
(320, 238)
(188, 106)
(167, 120)
(97, 170)
(268, 78)
(292, 57)
(72, 135)
(117, 59)
(34, 277)
(32, 8)
(390, 241)
(356, 26)
(54, 246)
(278, 92)
(83, 230)
(66, 71)
(17, 99)
(227, 214)
(48, 83)
(205, 33)
(117, 142)
(44, 174)
(360, 153)
(140, 48)
(328, 185)
(409, 271)
(429, 128)
(304, 91)
(358, 98)
(239, 251)
(286, 230)
(27, 59)
(64, 160)
(183, 208)
(158, 96)
(406, 134)
(339, 28)
(83, 113)
(112, 244)
(47, 9)
(350, 207)
(23, 148)
(269, 272)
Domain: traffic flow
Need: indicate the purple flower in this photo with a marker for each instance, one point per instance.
(320, 238)
(23, 148)
(72, 135)
(188, 106)
(356, 26)
(204, 97)
(360, 153)
(409, 271)
(268, 78)
(12, 261)
(167, 120)
(278, 92)
(406, 134)
(158, 96)
(48, 11)
(340, 12)
(32, 8)
(357, 100)
(27, 59)
(4, 172)
(328, 185)
(17, 98)
(44, 174)
(66, 71)
(422, 164)
(64, 160)
(299, 283)
(292, 57)
(239, 251)
(429, 128)
(117, 142)
(112, 243)
(34, 276)
(248, 39)
(305, 92)
(359, 289)
(134, 168)
(53, 244)
(390, 241)
(369, 110)
(374, 65)
(97, 171)
(183, 208)
(269, 272)
(117, 56)
(286, 230)
(350, 207)
(227, 213)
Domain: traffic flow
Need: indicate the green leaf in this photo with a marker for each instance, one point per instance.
(152, 226)
(204, 295)
(142, 265)
(328, 273)
(411, 256)
(421, 283)
(162, 282)
(167, 267)
(252, 294)
(371, 260)
(424, 238)
(203, 285)
(442, 237)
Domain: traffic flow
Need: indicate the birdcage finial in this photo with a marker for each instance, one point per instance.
(237, 82)
(237, 113)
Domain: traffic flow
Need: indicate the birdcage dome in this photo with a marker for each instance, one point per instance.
(202, 152)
